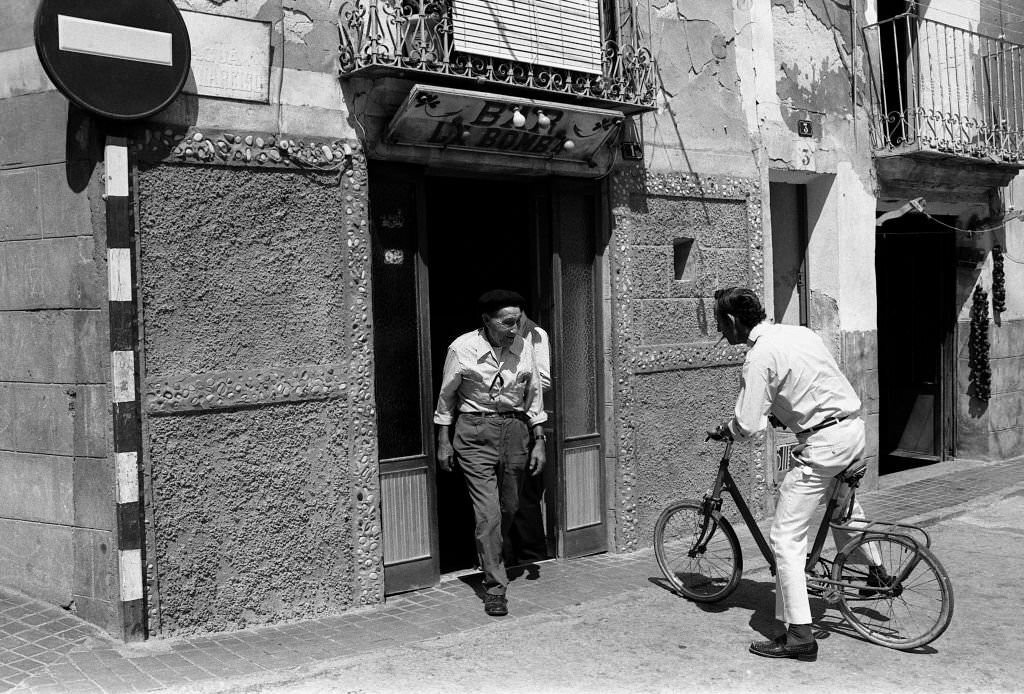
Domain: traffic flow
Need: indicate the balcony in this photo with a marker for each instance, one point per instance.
(940, 89)
(560, 49)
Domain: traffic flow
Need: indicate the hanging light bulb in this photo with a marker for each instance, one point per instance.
(543, 120)
(518, 119)
(568, 145)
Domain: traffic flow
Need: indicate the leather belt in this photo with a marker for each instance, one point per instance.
(503, 415)
(827, 423)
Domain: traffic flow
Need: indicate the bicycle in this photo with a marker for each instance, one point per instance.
(905, 605)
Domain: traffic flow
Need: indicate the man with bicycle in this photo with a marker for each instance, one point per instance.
(790, 378)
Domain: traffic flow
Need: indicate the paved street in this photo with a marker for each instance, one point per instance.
(596, 624)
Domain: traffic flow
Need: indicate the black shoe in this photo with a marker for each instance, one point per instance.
(877, 578)
(495, 605)
(779, 648)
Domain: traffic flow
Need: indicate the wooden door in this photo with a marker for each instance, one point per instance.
(402, 368)
(578, 362)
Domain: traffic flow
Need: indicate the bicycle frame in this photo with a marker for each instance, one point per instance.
(724, 482)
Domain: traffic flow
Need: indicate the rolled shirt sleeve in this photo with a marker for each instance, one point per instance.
(447, 399)
(533, 398)
(754, 400)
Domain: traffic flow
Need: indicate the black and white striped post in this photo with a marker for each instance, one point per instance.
(122, 60)
(125, 391)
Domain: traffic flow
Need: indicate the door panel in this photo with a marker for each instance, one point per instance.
(402, 354)
(581, 473)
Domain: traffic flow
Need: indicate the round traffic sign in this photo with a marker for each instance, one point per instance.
(123, 59)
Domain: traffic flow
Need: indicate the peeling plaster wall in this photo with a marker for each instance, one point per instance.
(251, 284)
(700, 125)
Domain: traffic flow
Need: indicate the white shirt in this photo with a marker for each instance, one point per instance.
(789, 371)
(474, 380)
(542, 349)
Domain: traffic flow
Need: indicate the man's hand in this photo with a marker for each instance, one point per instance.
(445, 453)
(537, 457)
(720, 433)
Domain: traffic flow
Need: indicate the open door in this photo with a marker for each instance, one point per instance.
(915, 267)
(402, 354)
(577, 383)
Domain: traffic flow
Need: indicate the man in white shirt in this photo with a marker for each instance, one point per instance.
(491, 388)
(790, 375)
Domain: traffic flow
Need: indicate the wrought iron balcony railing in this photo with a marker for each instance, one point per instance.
(940, 88)
(464, 39)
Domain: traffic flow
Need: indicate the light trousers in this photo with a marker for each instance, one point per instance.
(811, 476)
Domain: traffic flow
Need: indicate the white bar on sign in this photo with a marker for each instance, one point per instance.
(77, 35)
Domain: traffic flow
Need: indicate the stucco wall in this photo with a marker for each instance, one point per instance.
(257, 395)
(672, 380)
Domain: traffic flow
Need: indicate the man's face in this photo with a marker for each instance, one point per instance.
(726, 325)
(503, 326)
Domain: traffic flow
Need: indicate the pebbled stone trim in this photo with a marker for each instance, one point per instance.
(679, 357)
(242, 149)
(249, 388)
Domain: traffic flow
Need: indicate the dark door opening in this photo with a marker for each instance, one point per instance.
(482, 235)
(916, 270)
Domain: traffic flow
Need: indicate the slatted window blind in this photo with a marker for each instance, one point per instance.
(555, 33)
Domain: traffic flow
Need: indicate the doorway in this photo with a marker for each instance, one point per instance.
(438, 242)
(482, 235)
(916, 271)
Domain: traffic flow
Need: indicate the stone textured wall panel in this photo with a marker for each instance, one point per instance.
(252, 518)
(258, 386)
(241, 268)
(670, 384)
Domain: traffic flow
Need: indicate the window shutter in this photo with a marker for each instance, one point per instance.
(554, 33)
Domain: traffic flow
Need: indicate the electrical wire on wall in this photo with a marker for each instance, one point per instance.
(280, 76)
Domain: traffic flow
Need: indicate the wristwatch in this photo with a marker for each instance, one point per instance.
(541, 437)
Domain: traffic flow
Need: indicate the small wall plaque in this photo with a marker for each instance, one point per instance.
(804, 128)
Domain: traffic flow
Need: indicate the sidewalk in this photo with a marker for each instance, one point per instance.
(43, 649)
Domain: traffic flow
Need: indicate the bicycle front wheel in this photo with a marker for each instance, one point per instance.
(699, 555)
(907, 614)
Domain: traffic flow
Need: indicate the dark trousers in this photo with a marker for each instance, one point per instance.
(492, 452)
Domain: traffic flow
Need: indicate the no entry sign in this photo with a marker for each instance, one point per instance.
(123, 59)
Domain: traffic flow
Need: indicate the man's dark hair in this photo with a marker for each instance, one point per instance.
(493, 301)
(741, 303)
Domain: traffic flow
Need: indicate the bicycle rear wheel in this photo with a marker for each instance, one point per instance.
(700, 556)
(908, 614)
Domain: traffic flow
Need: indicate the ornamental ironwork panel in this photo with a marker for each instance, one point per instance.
(937, 87)
(433, 37)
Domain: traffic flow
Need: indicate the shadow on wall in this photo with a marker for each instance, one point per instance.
(83, 147)
(682, 145)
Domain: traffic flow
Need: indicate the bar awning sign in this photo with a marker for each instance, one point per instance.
(122, 59)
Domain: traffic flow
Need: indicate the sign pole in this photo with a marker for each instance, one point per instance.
(126, 413)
